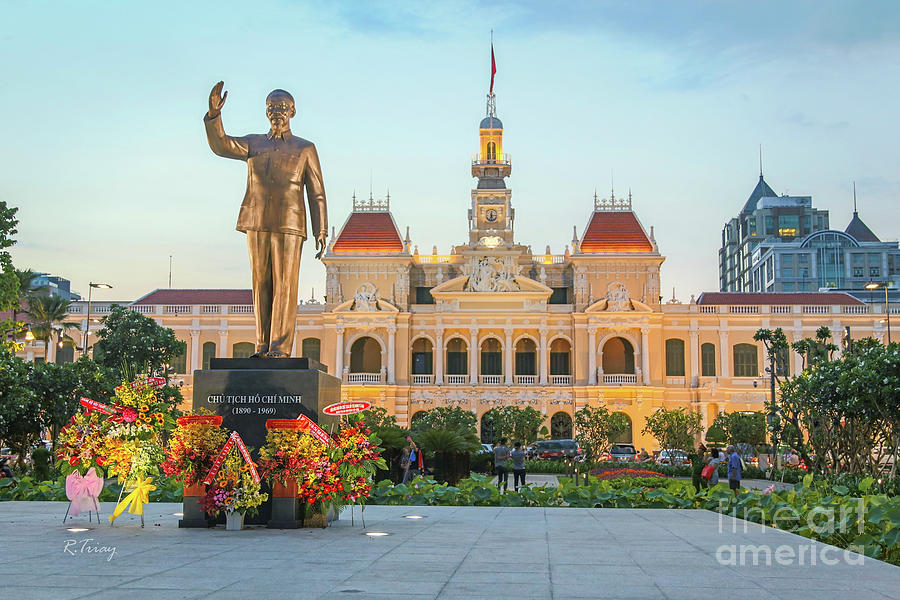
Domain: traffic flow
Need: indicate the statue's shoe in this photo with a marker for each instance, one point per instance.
(276, 354)
(260, 354)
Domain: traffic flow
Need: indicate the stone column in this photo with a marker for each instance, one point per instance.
(222, 348)
(543, 356)
(339, 350)
(195, 350)
(796, 357)
(439, 355)
(508, 352)
(695, 352)
(724, 359)
(473, 355)
(592, 355)
(391, 357)
(645, 354)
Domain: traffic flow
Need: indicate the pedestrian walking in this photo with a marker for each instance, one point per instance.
(518, 459)
(501, 455)
(735, 469)
(714, 460)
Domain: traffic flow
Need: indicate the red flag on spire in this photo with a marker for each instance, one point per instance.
(493, 67)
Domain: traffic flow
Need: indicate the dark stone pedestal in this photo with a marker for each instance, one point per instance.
(247, 392)
(193, 515)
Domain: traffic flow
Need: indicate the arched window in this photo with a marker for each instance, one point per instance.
(559, 357)
(745, 361)
(416, 416)
(526, 357)
(179, 364)
(487, 429)
(422, 357)
(491, 357)
(561, 426)
(618, 356)
(491, 151)
(708, 360)
(365, 356)
(674, 357)
(209, 353)
(311, 348)
(625, 437)
(457, 357)
(242, 350)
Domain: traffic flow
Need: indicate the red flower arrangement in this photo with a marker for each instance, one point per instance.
(628, 473)
(193, 448)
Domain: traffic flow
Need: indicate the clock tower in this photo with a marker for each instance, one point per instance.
(491, 216)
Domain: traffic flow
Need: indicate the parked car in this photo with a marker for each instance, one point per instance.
(673, 457)
(554, 449)
(622, 453)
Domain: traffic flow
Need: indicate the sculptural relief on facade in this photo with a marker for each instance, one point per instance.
(366, 298)
(491, 274)
(617, 297)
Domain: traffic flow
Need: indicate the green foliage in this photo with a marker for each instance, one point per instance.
(739, 428)
(595, 428)
(20, 407)
(40, 458)
(674, 428)
(9, 281)
(138, 341)
(446, 441)
(514, 423)
(446, 417)
(375, 417)
(30, 488)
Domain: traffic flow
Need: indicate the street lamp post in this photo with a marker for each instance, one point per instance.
(87, 327)
(887, 309)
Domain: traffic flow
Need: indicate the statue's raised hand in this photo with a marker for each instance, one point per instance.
(216, 100)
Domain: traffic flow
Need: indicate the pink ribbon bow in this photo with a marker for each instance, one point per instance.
(83, 491)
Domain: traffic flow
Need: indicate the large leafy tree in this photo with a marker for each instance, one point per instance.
(129, 338)
(515, 423)
(596, 428)
(674, 428)
(739, 428)
(445, 417)
(20, 410)
(9, 282)
(59, 387)
(48, 317)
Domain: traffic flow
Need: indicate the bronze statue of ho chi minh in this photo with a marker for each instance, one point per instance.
(273, 214)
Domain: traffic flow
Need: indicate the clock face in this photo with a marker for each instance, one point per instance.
(491, 215)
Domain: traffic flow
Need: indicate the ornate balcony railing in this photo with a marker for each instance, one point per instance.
(560, 380)
(421, 379)
(457, 379)
(491, 379)
(619, 379)
(364, 377)
(526, 379)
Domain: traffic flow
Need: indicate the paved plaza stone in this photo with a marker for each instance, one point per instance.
(451, 552)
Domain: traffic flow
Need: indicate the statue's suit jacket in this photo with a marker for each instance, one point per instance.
(277, 171)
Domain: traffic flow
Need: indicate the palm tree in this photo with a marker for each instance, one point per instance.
(48, 314)
(26, 290)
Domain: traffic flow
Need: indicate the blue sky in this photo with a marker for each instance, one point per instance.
(105, 154)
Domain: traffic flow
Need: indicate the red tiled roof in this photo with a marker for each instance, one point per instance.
(368, 233)
(178, 297)
(614, 231)
(808, 298)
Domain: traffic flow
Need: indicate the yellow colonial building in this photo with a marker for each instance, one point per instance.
(494, 324)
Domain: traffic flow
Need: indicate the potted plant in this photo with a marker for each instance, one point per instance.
(191, 452)
(233, 492)
(289, 452)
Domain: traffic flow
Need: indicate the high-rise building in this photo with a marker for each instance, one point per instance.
(766, 218)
